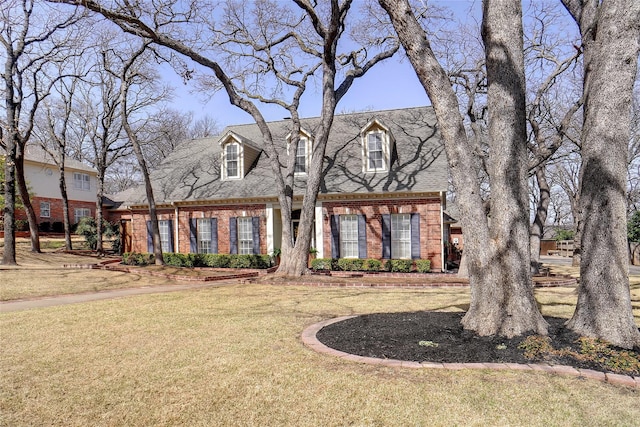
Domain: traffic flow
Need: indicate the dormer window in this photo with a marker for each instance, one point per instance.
(374, 148)
(301, 156)
(377, 144)
(231, 161)
(302, 153)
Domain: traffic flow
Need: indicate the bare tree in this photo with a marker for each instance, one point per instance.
(53, 132)
(501, 298)
(30, 47)
(204, 127)
(610, 33)
(313, 31)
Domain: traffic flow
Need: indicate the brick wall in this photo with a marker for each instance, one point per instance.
(55, 208)
(430, 225)
(222, 213)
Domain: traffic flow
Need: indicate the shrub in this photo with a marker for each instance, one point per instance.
(399, 265)
(57, 227)
(44, 226)
(216, 260)
(177, 260)
(350, 264)
(372, 265)
(423, 265)
(135, 258)
(86, 227)
(22, 225)
(240, 261)
(321, 264)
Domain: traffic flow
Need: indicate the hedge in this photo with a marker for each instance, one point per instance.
(200, 260)
(356, 264)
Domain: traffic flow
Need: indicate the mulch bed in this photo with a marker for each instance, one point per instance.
(439, 337)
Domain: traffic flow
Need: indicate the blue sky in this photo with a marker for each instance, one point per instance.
(389, 85)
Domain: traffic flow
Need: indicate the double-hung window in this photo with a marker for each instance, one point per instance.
(232, 161)
(45, 210)
(81, 181)
(165, 235)
(301, 156)
(401, 236)
(204, 236)
(374, 151)
(79, 213)
(245, 235)
(349, 236)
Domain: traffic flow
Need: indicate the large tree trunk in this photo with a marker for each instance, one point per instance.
(537, 227)
(610, 34)
(62, 183)
(26, 202)
(498, 256)
(9, 254)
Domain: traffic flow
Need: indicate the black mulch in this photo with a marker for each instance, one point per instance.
(413, 337)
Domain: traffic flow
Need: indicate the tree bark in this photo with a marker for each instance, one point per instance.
(498, 255)
(9, 253)
(537, 227)
(62, 183)
(610, 35)
(34, 234)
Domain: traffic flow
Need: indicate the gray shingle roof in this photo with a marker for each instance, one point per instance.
(192, 171)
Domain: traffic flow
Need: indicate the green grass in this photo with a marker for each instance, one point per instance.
(233, 356)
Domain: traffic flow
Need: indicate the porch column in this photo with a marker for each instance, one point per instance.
(319, 224)
(269, 218)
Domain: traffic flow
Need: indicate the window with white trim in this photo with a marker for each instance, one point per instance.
(79, 213)
(232, 160)
(301, 156)
(165, 235)
(401, 236)
(45, 209)
(245, 235)
(375, 155)
(204, 235)
(81, 181)
(349, 236)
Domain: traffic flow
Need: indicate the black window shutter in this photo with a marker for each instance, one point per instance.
(214, 235)
(362, 236)
(386, 236)
(415, 236)
(233, 235)
(149, 237)
(335, 236)
(255, 228)
(170, 226)
(193, 235)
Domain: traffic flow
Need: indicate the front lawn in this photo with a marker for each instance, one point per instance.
(233, 356)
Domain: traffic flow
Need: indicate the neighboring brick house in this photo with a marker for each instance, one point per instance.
(381, 196)
(42, 176)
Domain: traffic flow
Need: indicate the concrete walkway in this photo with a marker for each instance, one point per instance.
(40, 302)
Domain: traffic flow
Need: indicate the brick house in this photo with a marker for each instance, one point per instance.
(381, 196)
(42, 176)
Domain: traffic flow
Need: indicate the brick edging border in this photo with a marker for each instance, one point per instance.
(310, 340)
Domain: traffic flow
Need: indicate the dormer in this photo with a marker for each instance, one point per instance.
(377, 146)
(238, 154)
(302, 152)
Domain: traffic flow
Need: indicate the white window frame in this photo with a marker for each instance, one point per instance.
(383, 162)
(349, 236)
(303, 142)
(227, 160)
(45, 210)
(203, 229)
(79, 213)
(81, 181)
(165, 235)
(401, 236)
(245, 235)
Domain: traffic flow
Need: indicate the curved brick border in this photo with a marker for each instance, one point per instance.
(310, 340)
